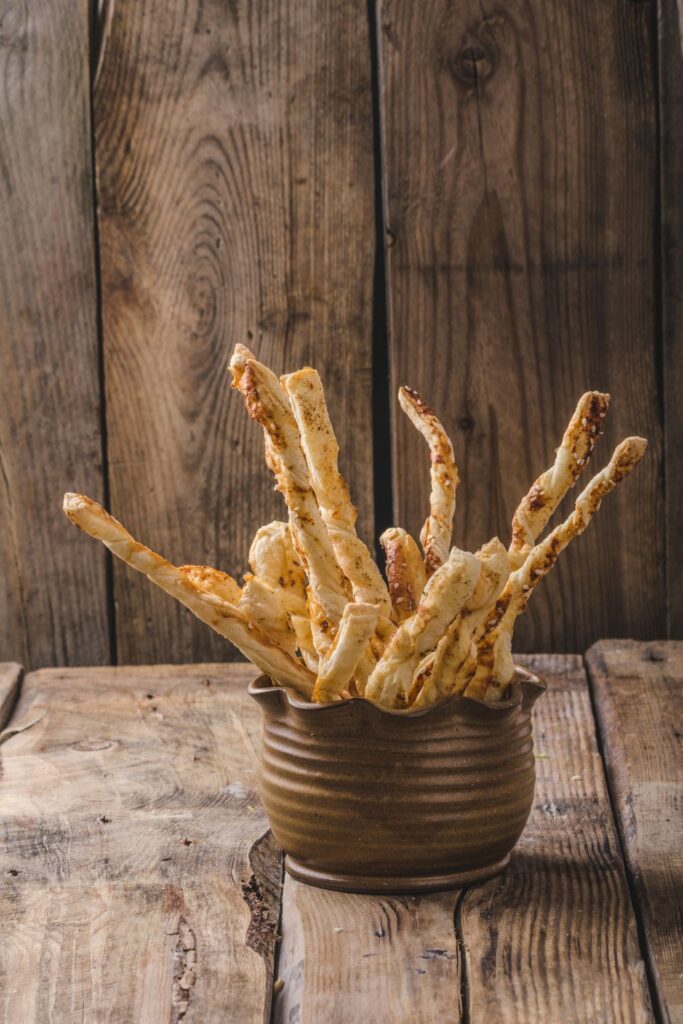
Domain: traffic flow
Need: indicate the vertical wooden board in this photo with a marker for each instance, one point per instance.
(52, 590)
(638, 692)
(235, 172)
(376, 959)
(670, 63)
(140, 882)
(520, 161)
(555, 938)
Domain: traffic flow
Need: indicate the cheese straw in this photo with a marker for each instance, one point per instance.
(315, 612)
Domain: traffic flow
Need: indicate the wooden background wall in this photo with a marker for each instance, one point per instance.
(478, 199)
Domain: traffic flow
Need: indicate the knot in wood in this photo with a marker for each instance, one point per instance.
(14, 28)
(87, 746)
(474, 63)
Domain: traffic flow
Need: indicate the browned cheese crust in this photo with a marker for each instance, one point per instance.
(546, 493)
(435, 536)
(405, 572)
(224, 617)
(494, 667)
(267, 403)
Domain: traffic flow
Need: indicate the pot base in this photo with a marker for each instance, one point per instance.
(405, 884)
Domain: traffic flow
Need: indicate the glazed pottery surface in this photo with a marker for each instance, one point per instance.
(369, 800)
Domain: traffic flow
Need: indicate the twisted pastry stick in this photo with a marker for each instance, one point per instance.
(305, 391)
(495, 666)
(453, 663)
(339, 663)
(435, 536)
(443, 597)
(267, 403)
(263, 606)
(267, 597)
(405, 571)
(301, 624)
(238, 364)
(272, 558)
(213, 581)
(222, 616)
(549, 489)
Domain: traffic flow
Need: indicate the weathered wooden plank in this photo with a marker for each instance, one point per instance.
(235, 170)
(670, 65)
(520, 158)
(639, 701)
(139, 880)
(10, 681)
(382, 960)
(554, 938)
(52, 590)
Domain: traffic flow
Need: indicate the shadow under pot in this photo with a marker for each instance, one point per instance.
(364, 799)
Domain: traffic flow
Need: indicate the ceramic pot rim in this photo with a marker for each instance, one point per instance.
(524, 689)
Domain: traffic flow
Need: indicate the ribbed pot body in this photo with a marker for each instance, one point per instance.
(353, 791)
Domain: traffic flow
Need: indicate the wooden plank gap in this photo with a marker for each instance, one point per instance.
(100, 11)
(11, 675)
(670, 293)
(464, 1005)
(277, 984)
(382, 394)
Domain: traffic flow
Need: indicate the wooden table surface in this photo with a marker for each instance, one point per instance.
(140, 882)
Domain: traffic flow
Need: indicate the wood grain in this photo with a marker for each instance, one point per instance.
(53, 603)
(382, 960)
(520, 159)
(639, 700)
(670, 65)
(10, 681)
(554, 938)
(235, 170)
(139, 879)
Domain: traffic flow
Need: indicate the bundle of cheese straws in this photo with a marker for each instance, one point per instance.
(316, 614)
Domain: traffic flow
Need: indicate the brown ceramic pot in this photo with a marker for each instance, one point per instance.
(368, 800)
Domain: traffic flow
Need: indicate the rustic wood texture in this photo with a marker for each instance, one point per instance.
(380, 960)
(554, 938)
(235, 171)
(139, 879)
(519, 147)
(10, 681)
(639, 701)
(142, 884)
(52, 590)
(236, 192)
(670, 64)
